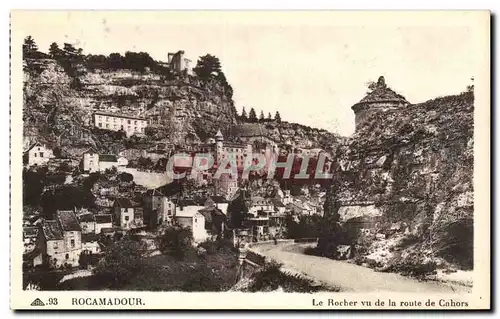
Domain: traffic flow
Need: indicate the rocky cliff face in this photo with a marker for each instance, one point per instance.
(406, 177)
(176, 104)
(182, 109)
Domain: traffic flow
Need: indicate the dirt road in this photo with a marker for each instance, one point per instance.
(346, 276)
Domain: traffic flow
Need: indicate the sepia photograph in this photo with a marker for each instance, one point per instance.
(339, 159)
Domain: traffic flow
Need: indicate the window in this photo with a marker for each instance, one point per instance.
(72, 243)
(55, 246)
(107, 125)
(35, 154)
(114, 120)
(135, 122)
(126, 218)
(107, 119)
(100, 124)
(67, 256)
(169, 212)
(128, 122)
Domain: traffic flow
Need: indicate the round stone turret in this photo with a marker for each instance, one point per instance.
(379, 99)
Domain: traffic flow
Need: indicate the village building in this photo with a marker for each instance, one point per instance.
(128, 215)
(72, 234)
(256, 135)
(260, 204)
(94, 162)
(119, 122)
(103, 221)
(188, 214)
(219, 202)
(195, 221)
(214, 220)
(37, 154)
(90, 244)
(258, 226)
(32, 254)
(87, 222)
(52, 244)
(30, 238)
(61, 242)
(380, 99)
(162, 208)
(33, 258)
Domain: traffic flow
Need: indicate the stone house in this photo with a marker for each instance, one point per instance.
(90, 244)
(37, 154)
(259, 204)
(87, 222)
(61, 240)
(103, 221)
(162, 207)
(128, 215)
(191, 217)
(93, 162)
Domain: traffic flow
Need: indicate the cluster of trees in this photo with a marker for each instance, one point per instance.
(208, 67)
(252, 117)
(30, 49)
(307, 227)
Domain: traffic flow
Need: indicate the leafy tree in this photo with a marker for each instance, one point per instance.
(122, 261)
(69, 50)
(244, 116)
(33, 185)
(269, 117)
(115, 61)
(208, 66)
(66, 197)
(277, 117)
(331, 231)
(54, 50)
(261, 116)
(29, 47)
(176, 241)
(126, 177)
(252, 117)
(237, 210)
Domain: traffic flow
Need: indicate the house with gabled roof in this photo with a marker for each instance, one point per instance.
(37, 154)
(128, 214)
(72, 235)
(103, 221)
(87, 222)
(61, 240)
(92, 161)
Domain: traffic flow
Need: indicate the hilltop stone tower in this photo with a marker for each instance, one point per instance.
(381, 98)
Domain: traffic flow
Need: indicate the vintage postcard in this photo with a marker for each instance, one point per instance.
(250, 160)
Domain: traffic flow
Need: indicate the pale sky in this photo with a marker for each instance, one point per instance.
(311, 67)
